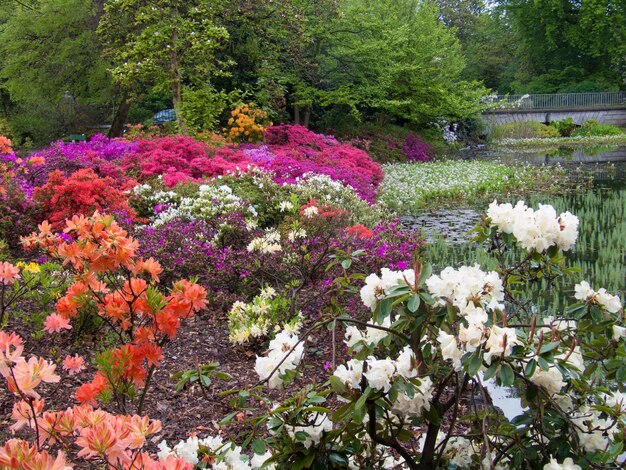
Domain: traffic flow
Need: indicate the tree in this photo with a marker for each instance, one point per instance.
(51, 68)
(395, 59)
(163, 45)
(566, 42)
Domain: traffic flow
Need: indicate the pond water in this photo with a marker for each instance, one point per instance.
(600, 252)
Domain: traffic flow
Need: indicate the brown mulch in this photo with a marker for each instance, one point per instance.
(201, 340)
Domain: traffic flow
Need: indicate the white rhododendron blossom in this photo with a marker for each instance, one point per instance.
(229, 455)
(293, 235)
(414, 406)
(350, 374)
(377, 288)
(500, 342)
(619, 332)
(592, 430)
(279, 347)
(406, 362)
(535, 230)
(372, 335)
(584, 293)
(310, 212)
(320, 424)
(551, 380)
(379, 373)
(559, 324)
(285, 206)
(568, 464)
(268, 243)
(450, 350)
(467, 285)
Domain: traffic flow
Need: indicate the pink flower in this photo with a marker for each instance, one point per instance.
(8, 273)
(55, 323)
(73, 364)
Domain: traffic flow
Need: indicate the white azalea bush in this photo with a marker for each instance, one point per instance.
(258, 318)
(413, 391)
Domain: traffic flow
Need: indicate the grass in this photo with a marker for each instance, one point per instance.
(409, 187)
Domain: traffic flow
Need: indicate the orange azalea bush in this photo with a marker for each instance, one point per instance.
(247, 124)
(123, 288)
(97, 435)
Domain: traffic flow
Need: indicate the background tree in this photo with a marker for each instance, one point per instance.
(163, 45)
(53, 77)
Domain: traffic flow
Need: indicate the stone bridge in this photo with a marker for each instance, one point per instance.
(608, 108)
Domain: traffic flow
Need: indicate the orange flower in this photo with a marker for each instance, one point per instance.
(101, 440)
(73, 364)
(22, 413)
(55, 323)
(29, 375)
(8, 273)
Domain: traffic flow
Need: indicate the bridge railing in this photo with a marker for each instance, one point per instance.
(557, 101)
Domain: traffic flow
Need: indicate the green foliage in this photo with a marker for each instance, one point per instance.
(595, 128)
(565, 126)
(52, 71)
(202, 107)
(523, 130)
(202, 374)
(162, 45)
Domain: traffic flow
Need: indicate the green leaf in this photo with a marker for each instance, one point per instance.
(338, 459)
(493, 368)
(530, 368)
(414, 303)
(549, 347)
(506, 375)
(259, 447)
(346, 263)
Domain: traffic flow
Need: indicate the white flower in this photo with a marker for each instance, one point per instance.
(449, 349)
(285, 206)
(310, 212)
(405, 363)
(379, 373)
(350, 374)
(321, 424)
(619, 332)
(293, 235)
(407, 406)
(496, 343)
(584, 293)
(353, 336)
(568, 464)
(551, 380)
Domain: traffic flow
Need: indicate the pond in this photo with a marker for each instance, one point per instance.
(600, 252)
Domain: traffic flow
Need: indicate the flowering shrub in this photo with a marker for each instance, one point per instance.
(416, 150)
(431, 337)
(82, 192)
(96, 435)
(179, 158)
(257, 318)
(100, 154)
(17, 210)
(6, 146)
(108, 275)
(246, 124)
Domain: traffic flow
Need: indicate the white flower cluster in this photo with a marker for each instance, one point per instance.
(209, 202)
(269, 243)
(461, 453)
(254, 319)
(535, 230)
(380, 375)
(285, 206)
(592, 430)
(552, 379)
(377, 288)
(296, 234)
(229, 456)
(568, 464)
(314, 430)
(584, 293)
(473, 292)
(278, 350)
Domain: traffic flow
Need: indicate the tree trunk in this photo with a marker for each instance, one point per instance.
(296, 114)
(307, 115)
(176, 80)
(117, 126)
